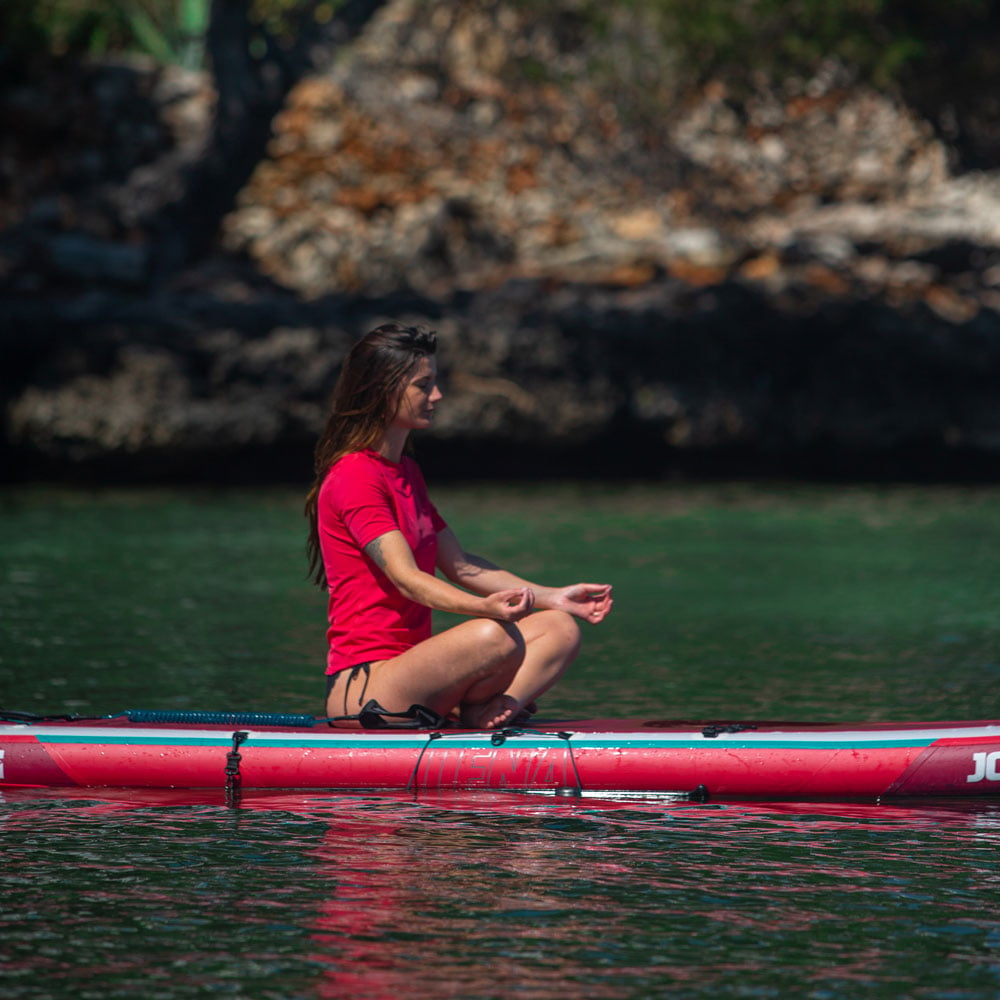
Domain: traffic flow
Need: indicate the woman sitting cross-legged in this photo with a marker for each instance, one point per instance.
(376, 542)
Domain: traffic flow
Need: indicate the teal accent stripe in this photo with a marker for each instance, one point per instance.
(156, 741)
(520, 742)
(760, 744)
(380, 743)
(220, 741)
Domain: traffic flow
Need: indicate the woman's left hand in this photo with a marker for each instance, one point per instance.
(590, 602)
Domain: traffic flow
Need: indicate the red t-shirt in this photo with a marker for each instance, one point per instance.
(364, 496)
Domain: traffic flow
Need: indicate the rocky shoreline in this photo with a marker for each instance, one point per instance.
(798, 284)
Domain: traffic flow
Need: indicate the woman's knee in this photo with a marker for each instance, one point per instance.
(563, 628)
(503, 640)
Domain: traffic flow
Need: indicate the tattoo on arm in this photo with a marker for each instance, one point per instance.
(374, 550)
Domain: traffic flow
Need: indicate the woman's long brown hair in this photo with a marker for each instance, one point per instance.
(364, 401)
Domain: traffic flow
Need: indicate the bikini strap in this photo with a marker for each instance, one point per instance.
(374, 716)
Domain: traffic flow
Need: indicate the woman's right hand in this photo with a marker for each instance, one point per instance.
(509, 605)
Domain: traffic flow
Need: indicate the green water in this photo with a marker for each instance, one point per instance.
(835, 604)
(731, 601)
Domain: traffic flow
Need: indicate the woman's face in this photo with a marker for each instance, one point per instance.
(418, 396)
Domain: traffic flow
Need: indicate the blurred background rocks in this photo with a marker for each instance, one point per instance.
(798, 278)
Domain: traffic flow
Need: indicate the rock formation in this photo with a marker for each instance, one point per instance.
(796, 282)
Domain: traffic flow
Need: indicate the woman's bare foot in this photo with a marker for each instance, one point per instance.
(525, 713)
(498, 711)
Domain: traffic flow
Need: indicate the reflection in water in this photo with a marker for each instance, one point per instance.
(620, 901)
(478, 896)
(437, 900)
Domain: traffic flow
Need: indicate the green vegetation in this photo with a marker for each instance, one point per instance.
(740, 41)
(169, 31)
(748, 41)
(779, 38)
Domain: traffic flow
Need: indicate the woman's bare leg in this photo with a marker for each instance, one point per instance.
(552, 640)
(470, 665)
(490, 670)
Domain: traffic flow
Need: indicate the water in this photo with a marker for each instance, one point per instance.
(730, 601)
(472, 897)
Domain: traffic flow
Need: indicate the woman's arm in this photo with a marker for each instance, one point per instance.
(589, 601)
(393, 555)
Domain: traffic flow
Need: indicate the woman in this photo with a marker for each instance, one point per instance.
(376, 540)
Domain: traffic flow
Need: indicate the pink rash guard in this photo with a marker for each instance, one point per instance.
(364, 496)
